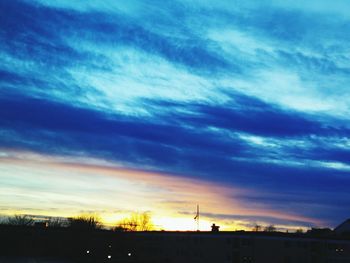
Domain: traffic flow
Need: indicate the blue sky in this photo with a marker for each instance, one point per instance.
(252, 97)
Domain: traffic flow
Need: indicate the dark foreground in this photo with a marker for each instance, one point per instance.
(32, 260)
(64, 245)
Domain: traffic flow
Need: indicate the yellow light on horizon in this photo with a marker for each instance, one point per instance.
(77, 187)
(181, 223)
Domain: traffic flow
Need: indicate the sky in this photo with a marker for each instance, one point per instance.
(114, 107)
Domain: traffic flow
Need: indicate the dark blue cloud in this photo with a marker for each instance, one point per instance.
(250, 115)
(323, 152)
(94, 131)
(7, 77)
(39, 32)
(33, 34)
(186, 148)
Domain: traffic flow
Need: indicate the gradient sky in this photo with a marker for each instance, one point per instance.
(120, 106)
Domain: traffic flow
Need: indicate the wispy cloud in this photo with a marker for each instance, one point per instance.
(250, 95)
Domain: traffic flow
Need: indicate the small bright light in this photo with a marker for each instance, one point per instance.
(109, 256)
(110, 246)
(129, 254)
(87, 251)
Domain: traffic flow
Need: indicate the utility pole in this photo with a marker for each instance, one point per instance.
(197, 217)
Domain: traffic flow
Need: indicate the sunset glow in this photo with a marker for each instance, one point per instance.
(114, 192)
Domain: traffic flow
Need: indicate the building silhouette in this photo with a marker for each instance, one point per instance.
(343, 228)
(96, 246)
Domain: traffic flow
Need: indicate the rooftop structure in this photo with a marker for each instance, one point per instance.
(343, 228)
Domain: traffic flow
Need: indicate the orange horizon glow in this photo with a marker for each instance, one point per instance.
(114, 192)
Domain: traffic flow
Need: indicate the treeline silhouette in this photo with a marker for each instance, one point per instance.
(84, 238)
(136, 222)
(79, 239)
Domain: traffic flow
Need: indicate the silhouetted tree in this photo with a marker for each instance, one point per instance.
(136, 222)
(87, 222)
(299, 231)
(145, 223)
(20, 220)
(270, 228)
(257, 228)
